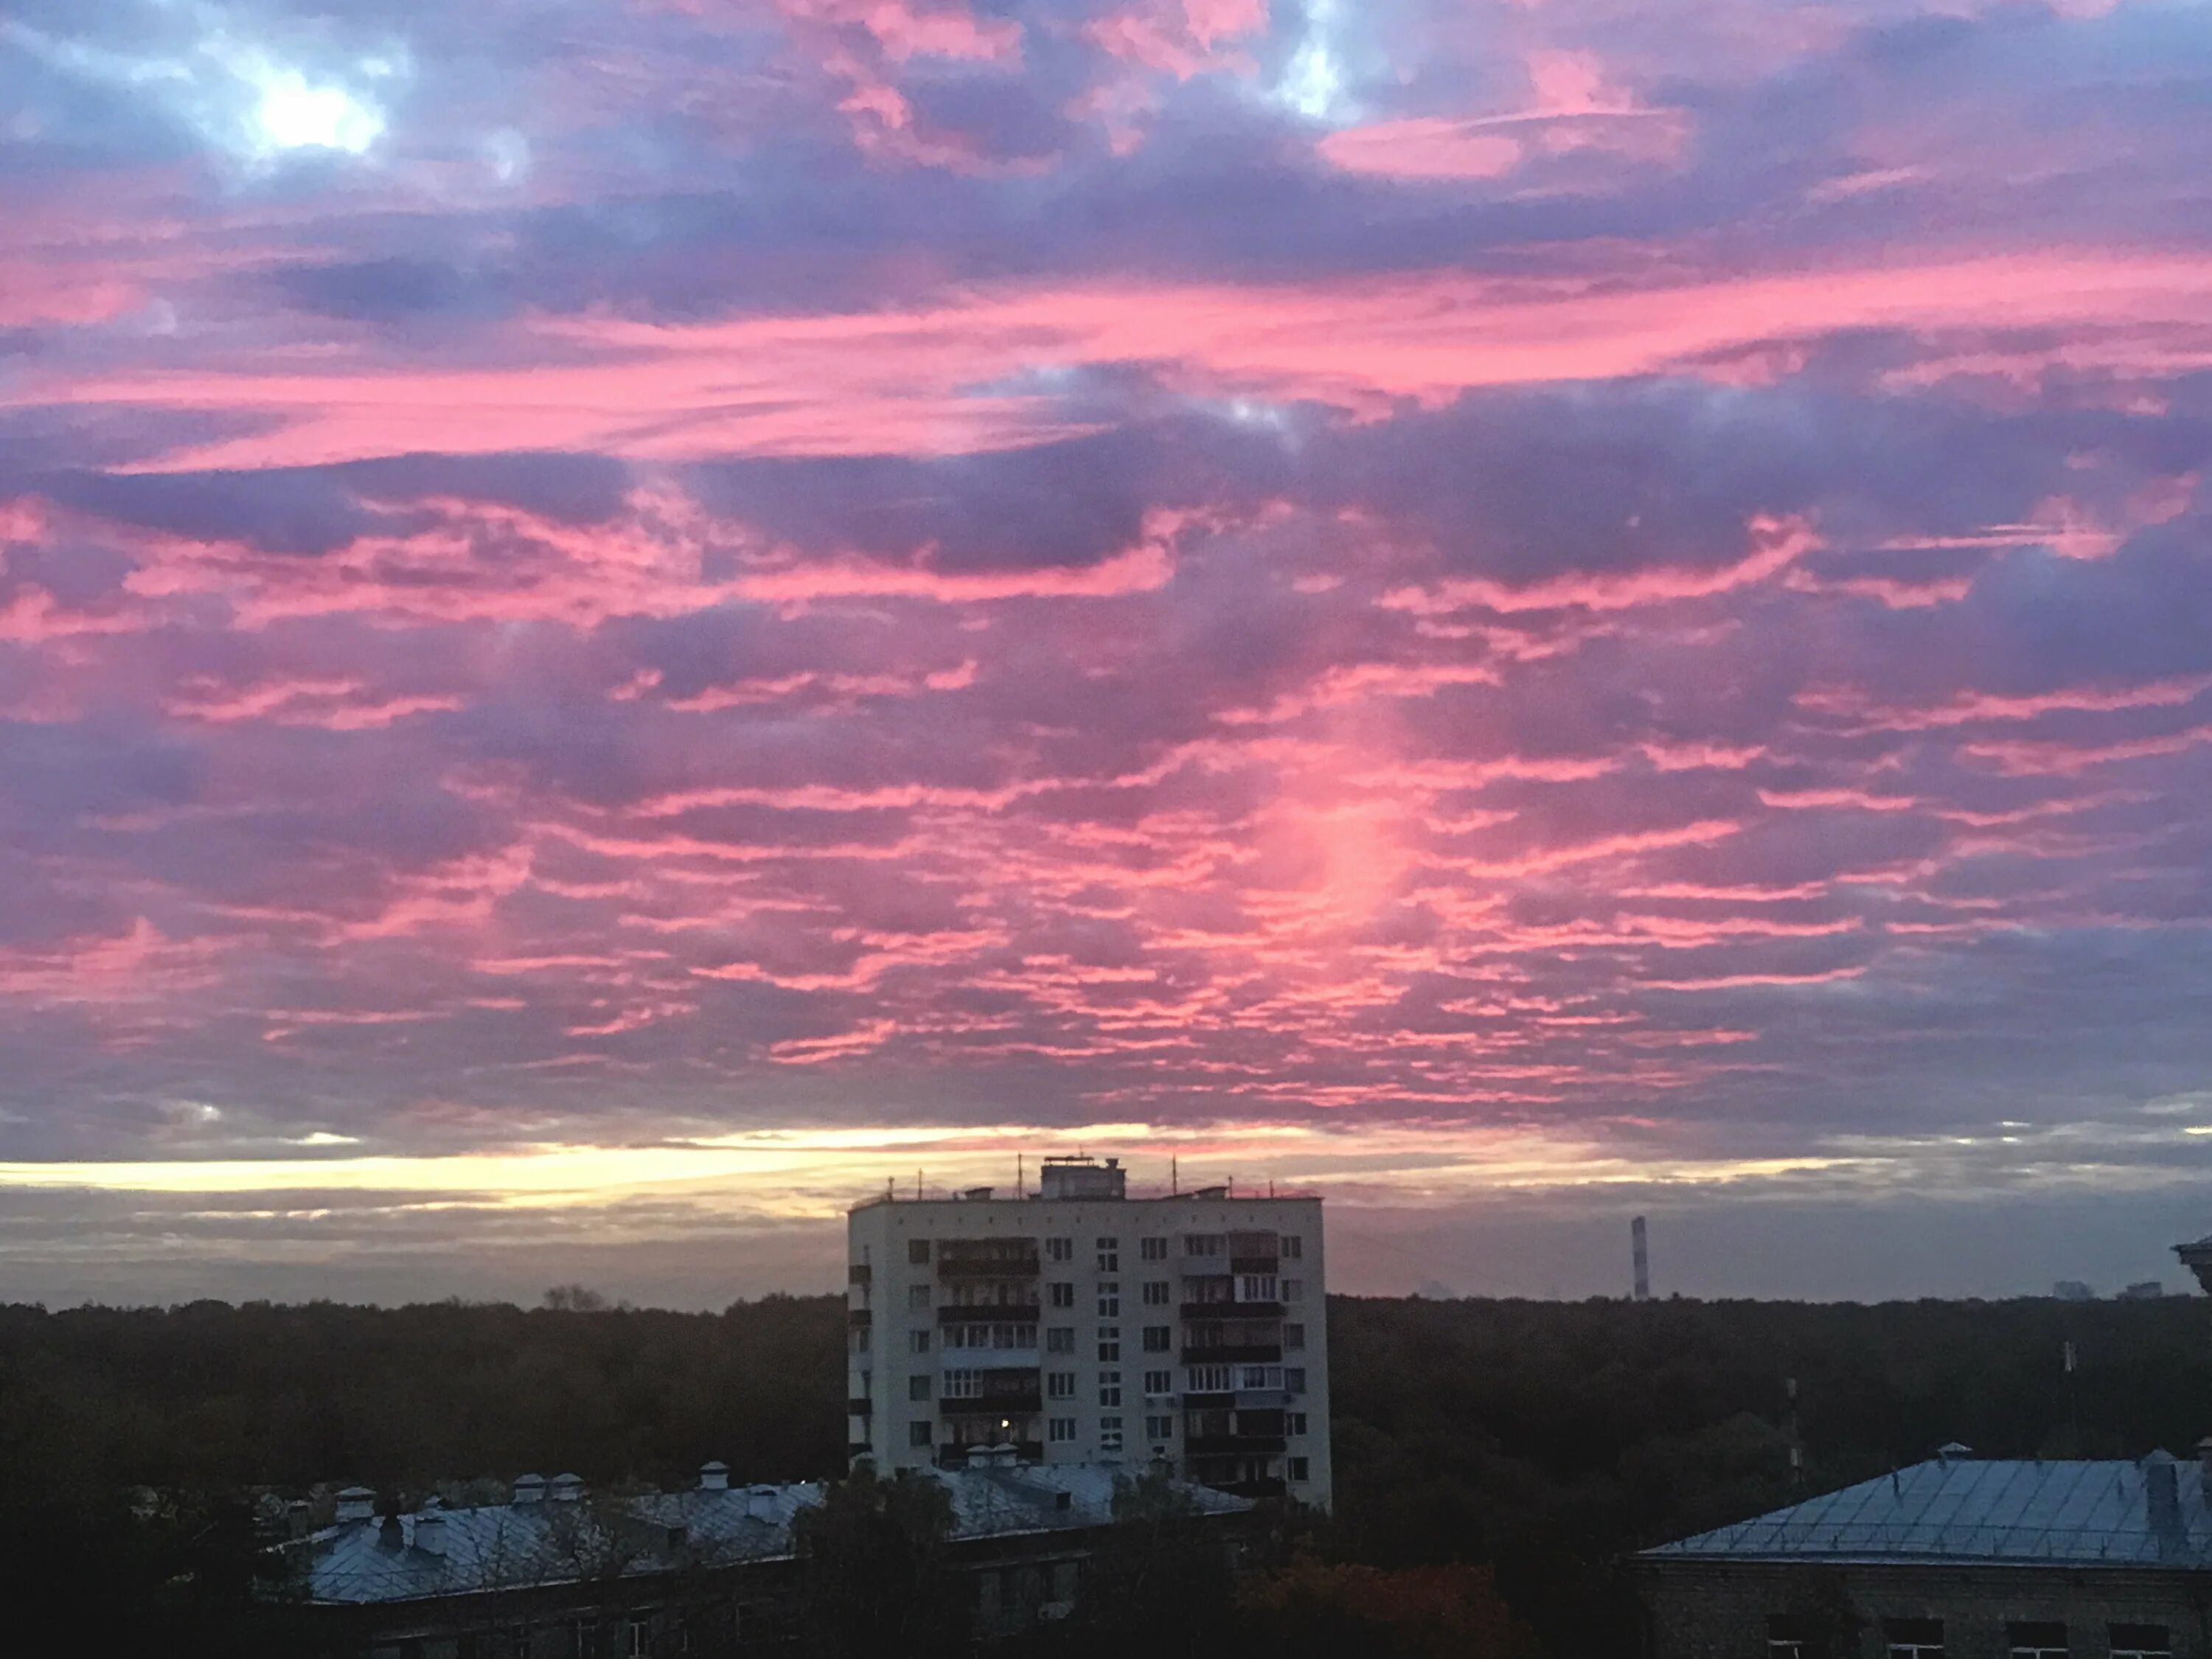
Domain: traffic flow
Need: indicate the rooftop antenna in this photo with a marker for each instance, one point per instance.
(1789, 1432)
(1020, 1176)
(917, 1186)
(1640, 1251)
(1175, 1175)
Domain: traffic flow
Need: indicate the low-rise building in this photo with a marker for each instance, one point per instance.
(556, 1573)
(1959, 1557)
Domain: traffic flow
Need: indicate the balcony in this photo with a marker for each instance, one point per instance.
(988, 1258)
(859, 1319)
(982, 1313)
(1231, 1445)
(1232, 1310)
(1252, 1264)
(1252, 1353)
(859, 1406)
(955, 1457)
(860, 1273)
(1015, 1403)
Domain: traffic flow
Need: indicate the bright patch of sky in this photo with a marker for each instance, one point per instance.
(1313, 79)
(244, 96)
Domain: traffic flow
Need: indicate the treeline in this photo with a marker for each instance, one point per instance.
(1544, 1438)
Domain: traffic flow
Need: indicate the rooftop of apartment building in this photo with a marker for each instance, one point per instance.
(1959, 1509)
(1078, 1178)
(553, 1532)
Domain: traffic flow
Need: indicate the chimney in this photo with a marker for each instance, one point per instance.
(529, 1488)
(1953, 1451)
(430, 1528)
(2162, 1495)
(715, 1477)
(356, 1503)
(297, 1524)
(1005, 1457)
(567, 1488)
(979, 1456)
(761, 1502)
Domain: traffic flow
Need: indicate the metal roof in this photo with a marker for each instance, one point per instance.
(1985, 1509)
(469, 1551)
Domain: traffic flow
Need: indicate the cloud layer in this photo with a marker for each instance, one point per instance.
(1561, 595)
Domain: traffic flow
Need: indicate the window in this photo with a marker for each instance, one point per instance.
(1293, 1247)
(917, 1433)
(1294, 1422)
(1109, 1342)
(917, 1387)
(1159, 1383)
(1202, 1243)
(917, 1297)
(860, 1339)
(1298, 1468)
(2037, 1639)
(1060, 1385)
(1060, 1339)
(2141, 1642)
(1294, 1290)
(917, 1341)
(1110, 1388)
(1259, 1376)
(1060, 1250)
(639, 1645)
(1256, 1287)
(1159, 1339)
(1294, 1379)
(917, 1251)
(1110, 1255)
(1913, 1638)
(1110, 1300)
(1109, 1434)
(1061, 1431)
(1160, 1428)
(1294, 1336)
(963, 1385)
(1152, 1250)
(1156, 1292)
(1061, 1293)
(1209, 1379)
(1791, 1636)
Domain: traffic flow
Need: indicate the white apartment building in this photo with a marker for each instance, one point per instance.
(1083, 1326)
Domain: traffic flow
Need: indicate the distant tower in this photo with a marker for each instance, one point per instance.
(1642, 1255)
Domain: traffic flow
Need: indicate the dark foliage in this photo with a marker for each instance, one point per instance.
(1542, 1438)
(874, 1576)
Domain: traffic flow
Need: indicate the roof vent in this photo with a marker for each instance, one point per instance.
(1211, 1192)
(763, 1502)
(356, 1503)
(1063, 1500)
(979, 1456)
(1953, 1451)
(567, 1488)
(715, 1477)
(529, 1488)
(975, 1192)
(430, 1529)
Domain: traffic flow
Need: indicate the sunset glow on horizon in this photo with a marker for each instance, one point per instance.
(622, 619)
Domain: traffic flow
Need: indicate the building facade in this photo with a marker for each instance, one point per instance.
(1080, 1326)
(1960, 1557)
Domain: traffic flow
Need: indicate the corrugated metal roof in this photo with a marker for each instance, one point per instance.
(512, 1545)
(1986, 1510)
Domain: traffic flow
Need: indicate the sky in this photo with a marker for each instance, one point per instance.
(623, 620)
